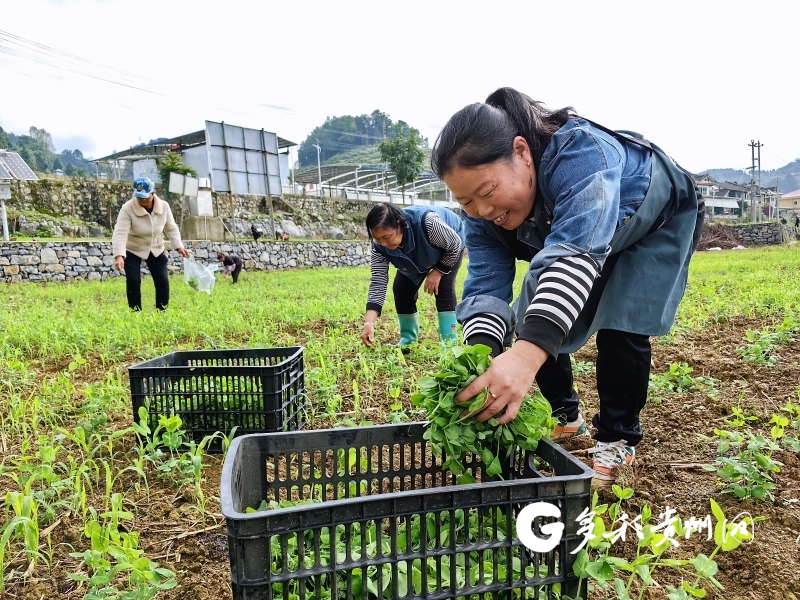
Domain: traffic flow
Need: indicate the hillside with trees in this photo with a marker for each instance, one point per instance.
(369, 155)
(346, 136)
(37, 149)
(786, 177)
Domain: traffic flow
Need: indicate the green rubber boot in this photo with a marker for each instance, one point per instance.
(409, 329)
(448, 335)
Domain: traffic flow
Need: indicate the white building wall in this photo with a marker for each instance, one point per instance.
(146, 168)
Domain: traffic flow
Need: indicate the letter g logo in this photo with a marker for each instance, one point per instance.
(525, 527)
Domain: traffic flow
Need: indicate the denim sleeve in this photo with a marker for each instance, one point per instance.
(488, 290)
(583, 178)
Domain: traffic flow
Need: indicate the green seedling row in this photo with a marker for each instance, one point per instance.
(70, 450)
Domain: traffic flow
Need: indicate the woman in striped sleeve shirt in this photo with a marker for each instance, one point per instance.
(608, 224)
(425, 244)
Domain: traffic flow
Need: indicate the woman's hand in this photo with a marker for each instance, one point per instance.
(508, 379)
(183, 252)
(432, 282)
(368, 334)
(119, 263)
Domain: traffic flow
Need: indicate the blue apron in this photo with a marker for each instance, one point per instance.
(649, 278)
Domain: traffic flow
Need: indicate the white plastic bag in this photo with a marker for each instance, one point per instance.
(198, 276)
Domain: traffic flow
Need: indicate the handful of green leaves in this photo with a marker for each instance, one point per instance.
(454, 432)
(194, 282)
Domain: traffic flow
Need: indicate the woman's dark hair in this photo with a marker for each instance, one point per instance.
(480, 134)
(220, 255)
(384, 215)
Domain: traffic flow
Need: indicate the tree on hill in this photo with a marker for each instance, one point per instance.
(35, 152)
(404, 153)
(153, 141)
(5, 141)
(788, 184)
(346, 133)
(27, 156)
(42, 138)
(38, 151)
(729, 175)
(340, 134)
(787, 177)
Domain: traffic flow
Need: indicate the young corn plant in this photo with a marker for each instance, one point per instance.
(115, 552)
(176, 466)
(40, 477)
(23, 524)
(195, 454)
(394, 387)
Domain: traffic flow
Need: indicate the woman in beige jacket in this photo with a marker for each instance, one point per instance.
(139, 235)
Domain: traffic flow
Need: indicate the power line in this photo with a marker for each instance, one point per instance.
(276, 107)
(53, 64)
(361, 135)
(47, 50)
(39, 60)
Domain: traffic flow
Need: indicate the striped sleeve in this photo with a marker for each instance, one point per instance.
(485, 328)
(443, 236)
(379, 281)
(563, 289)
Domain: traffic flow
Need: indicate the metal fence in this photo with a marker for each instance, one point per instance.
(441, 198)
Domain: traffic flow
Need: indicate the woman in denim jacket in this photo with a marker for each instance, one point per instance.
(607, 223)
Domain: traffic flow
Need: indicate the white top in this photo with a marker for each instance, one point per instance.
(141, 232)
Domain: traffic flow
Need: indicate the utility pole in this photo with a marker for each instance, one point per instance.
(754, 212)
(760, 192)
(5, 192)
(319, 168)
(291, 167)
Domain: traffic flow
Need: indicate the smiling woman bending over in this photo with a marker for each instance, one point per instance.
(608, 224)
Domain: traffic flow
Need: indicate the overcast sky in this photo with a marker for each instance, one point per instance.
(699, 78)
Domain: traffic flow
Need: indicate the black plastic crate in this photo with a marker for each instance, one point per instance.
(258, 390)
(398, 518)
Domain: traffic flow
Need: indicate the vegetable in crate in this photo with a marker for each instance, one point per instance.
(451, 428)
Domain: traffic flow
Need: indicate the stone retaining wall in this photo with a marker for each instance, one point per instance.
(89, 202)
(762, 234)
(327, 206)
(99, 202)
(64, 261)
